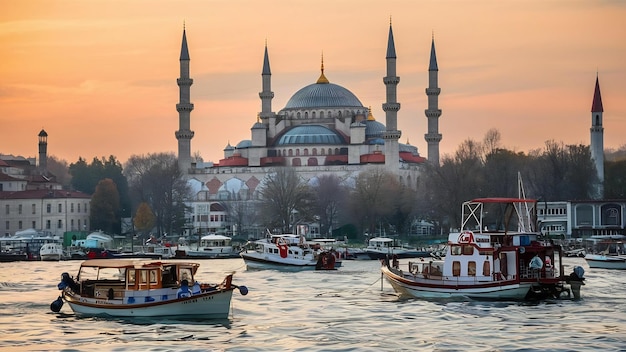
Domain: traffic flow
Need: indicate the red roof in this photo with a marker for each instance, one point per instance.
(503, 200)
(235, 160)
(373, 158)
(410, 158)
(597, 99)
(5, 177)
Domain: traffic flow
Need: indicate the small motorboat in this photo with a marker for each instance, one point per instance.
(51, 251)
(498, 255)
(144, 288)
(610, 253)
(381, 247)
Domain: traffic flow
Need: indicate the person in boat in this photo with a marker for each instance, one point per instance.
(184, 291)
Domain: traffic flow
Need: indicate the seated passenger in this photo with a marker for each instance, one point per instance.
(196, 290)
(183, 291)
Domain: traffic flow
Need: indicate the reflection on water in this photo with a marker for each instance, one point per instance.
(311, 310)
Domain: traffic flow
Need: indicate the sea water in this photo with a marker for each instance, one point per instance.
(350, 309)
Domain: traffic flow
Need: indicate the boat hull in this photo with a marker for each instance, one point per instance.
(606, 262)
(210, 305)
(256, 261)
(438, 289)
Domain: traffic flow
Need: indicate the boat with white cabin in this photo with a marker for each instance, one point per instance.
(383, 247)
(287, 251)
(499, 254)
(144, 288)
(51, 251)
(211, 246)
(610, 253)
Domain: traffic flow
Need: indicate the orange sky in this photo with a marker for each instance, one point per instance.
(100, 76)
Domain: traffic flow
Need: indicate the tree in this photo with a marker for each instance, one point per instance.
(157, 180)
(144, 219)
(283, 195)
(60, 169)
(615, 179)
(104, 208)
(329, 196)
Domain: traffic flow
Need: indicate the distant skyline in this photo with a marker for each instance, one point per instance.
(100, 76)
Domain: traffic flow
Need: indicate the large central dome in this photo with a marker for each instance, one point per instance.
(323, 95)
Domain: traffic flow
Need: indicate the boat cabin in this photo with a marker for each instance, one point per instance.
(121, 279)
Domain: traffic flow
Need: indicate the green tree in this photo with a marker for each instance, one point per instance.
(105, 203)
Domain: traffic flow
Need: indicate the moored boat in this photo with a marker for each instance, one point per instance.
(287, 251)
(382, 247)
(211, 246)
(610, 253)
(501, 257)
(144, 288)
(52, 251)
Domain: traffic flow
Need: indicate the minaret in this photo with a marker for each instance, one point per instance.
(391, 107)
(43, 151)
(433, 137)
(266, 94)
(597, 137)
(184, 108)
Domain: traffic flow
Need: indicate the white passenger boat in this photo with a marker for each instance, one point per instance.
(610, 253)
(502, 257)
(286, 251)
(211, 246)
(382, 247)
(52, 251)
(144, 288)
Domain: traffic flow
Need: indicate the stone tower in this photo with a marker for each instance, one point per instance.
(184, 108)
(433, 137)
(597, 137)
(391, 107)
(43, 151)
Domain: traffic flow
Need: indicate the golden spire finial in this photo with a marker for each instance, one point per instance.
(370, 117)
(322, 79)
(389, 20)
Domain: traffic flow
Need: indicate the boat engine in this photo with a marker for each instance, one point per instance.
(575, 280)
(68, 281)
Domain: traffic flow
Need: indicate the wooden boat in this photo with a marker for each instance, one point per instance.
(501, 258)
(610, 253)
(287, 251)
(144, 288)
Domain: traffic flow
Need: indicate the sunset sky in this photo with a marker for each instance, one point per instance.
(100, 76)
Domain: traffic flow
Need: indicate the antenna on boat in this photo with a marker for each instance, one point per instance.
(523, 215)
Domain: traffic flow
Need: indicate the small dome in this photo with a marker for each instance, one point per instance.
(246, 143)
(323, 95)
(374, 129)
(310, 134)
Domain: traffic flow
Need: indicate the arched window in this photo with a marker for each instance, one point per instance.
(305, 152)
(297, 152)
(312, 162)
(298, 115)
(290, 152)
(306, 114)
(486, 268)
(295, 162)
(313, 114)
(314, 151)
(597, 120)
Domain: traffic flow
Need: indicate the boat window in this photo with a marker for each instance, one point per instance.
(471, 268)
(455, 250)
(468, 250)
(485, 252)
(456, 268)
(185, 274)
(153, 276)
(486, 268)
(131, 276)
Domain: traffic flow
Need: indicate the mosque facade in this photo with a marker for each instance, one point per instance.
(323, 129)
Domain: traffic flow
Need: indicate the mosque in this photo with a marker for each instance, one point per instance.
(323, 129)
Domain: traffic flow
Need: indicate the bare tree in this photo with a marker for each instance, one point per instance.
(283, 195)
(330, 195)
(156, 180)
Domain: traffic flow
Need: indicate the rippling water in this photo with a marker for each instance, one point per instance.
(343, 310)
